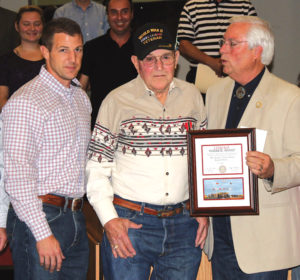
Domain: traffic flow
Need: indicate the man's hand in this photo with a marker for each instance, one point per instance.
(260, 164)
(117, 234)
(50, 253)
(202, 231)
(3, 238)
(216, 65)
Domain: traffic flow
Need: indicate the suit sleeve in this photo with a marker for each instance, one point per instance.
(287, 169)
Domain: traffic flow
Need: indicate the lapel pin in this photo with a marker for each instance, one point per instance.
(258, 104)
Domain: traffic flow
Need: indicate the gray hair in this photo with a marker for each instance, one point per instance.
(259, 34)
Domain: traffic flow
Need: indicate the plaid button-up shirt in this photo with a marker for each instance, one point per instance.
(46, 131)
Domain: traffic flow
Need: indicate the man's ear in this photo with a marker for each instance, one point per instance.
(258, 51)
(45, 52)
(135, 62)
(177, 54)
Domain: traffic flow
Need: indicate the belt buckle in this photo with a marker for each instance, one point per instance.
(163, 213)
(74, 201)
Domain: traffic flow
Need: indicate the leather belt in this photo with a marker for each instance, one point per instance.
(73, 203)
(160, 214)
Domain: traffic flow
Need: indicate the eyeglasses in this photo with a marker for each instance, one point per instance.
(165, 59)
(231, 43)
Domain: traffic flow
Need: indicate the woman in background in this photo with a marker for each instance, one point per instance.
(24, 62)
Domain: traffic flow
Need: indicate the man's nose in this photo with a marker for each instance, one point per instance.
(72, 56)
(119, 16)
(158, 63)
(225, 47)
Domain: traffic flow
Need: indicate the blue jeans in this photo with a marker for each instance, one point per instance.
(224, 262)
(296, 273)
(166, 244)
(68, 228)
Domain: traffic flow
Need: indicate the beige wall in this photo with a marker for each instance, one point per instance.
(13, 5)
(285, 22)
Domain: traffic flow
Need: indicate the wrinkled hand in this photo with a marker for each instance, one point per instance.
(260, 164)
(202, 231)
(51, 256)
(216, 65)
(3, 239)
(117, 234)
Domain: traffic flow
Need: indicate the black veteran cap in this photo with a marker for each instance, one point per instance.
(150, 37)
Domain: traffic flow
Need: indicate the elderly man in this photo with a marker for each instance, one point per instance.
(266, 245)
(202, 24)
(106, 61)
(46, 131)
(137, 172)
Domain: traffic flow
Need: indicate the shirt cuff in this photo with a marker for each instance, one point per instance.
(41, 231)
(105, 211)
(3, 217)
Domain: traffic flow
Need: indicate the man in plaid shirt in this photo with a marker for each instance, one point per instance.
(46, 131)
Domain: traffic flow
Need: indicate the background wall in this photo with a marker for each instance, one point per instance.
(285, 22)
(13, 5)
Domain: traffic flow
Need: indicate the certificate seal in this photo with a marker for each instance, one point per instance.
(222, 169)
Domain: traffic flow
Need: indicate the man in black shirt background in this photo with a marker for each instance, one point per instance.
(106, 60)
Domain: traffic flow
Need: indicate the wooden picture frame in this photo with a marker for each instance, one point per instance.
(220, 181)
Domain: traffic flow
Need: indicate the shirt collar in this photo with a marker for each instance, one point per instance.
(77, 6)
(109, 38)
(145, 90)
(252, 85)
(56, 85)
(223, 1)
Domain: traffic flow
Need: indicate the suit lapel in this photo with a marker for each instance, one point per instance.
(224, 103)
(257, 101)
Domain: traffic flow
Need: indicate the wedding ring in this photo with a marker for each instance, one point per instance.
(115, 247)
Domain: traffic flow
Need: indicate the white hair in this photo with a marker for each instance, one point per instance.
(259, 34)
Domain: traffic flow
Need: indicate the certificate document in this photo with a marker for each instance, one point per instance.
(222, 159)
(220, 181)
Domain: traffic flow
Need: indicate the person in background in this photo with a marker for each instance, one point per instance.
(264, 246)
(137, 168)
(201, 25)
(91, 17)
(24, 62)
(106, 62)
(46, 131)
(9, 37)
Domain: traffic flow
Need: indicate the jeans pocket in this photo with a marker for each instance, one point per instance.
(126, 213)
(11, 224)
(185, 212)
(52, 212)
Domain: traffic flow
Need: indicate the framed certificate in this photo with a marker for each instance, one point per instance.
(220, 181)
